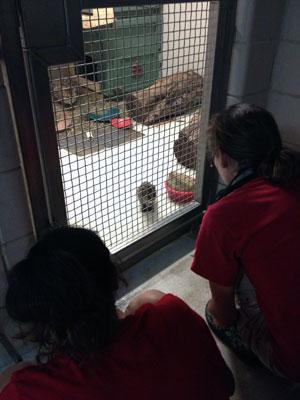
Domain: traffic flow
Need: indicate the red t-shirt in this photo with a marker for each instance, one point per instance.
(257, 228)
(164, 351)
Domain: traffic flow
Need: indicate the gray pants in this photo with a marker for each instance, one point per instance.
(251, 325)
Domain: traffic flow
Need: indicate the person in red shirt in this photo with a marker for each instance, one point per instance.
(64, 294)
(249, 240)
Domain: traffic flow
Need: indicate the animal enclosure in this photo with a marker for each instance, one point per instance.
(131, 117)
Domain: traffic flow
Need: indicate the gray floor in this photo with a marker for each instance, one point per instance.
(175, 277)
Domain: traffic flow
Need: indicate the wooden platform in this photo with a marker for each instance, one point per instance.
(100, 17)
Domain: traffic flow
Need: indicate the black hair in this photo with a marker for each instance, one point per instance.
(64, 291)
(250, 135)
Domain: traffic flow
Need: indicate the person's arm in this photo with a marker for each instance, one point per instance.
(5, 376)
(222, 305)
(149, 296)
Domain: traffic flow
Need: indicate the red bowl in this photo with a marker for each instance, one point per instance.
(177, 196)
(121, 123)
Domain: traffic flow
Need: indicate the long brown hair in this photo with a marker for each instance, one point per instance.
(250, 135)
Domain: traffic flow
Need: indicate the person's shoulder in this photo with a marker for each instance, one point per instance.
(19, 376)
(237, 199)
(216, 213)
(35, 379)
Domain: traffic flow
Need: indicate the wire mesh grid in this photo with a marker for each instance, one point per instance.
(130, 118)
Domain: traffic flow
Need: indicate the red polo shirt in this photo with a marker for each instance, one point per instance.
(164, 351)
(257, 228)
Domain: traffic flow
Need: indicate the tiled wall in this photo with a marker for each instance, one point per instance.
(256, 42)
(257, 35)
(15, 223)
(265, 66)
(284, 97)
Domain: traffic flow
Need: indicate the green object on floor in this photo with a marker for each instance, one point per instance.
(137, 11)
(106, 116)
(126, 54)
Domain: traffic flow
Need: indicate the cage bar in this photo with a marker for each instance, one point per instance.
(131, 117)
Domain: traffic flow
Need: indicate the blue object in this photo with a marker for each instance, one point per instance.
(107, 115)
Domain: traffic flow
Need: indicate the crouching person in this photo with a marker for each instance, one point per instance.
(64, 294)
(249, 240)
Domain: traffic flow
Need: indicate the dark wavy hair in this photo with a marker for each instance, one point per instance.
(64, 291)
(250, 135)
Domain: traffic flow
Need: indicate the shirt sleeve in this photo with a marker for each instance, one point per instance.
(214, 257)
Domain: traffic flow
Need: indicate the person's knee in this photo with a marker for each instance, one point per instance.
(151, 296)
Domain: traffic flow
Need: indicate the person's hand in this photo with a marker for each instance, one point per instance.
(150, 296)
(222, 305)
(223, 317)
(120, 314)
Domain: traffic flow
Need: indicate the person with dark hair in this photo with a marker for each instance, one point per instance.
(249, 240)
(64, 294)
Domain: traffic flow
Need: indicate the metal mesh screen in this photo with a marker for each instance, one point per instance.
(131, 117)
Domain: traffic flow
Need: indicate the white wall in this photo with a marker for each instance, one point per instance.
(184, 37)
(265, 66)
(256, 41)
(284, 97)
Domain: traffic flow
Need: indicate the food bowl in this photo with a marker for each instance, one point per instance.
(177, 196)
(123, 123)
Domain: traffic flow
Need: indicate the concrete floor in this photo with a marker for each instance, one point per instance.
(251, 383)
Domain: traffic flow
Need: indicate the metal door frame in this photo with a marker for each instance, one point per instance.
(55, 38)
